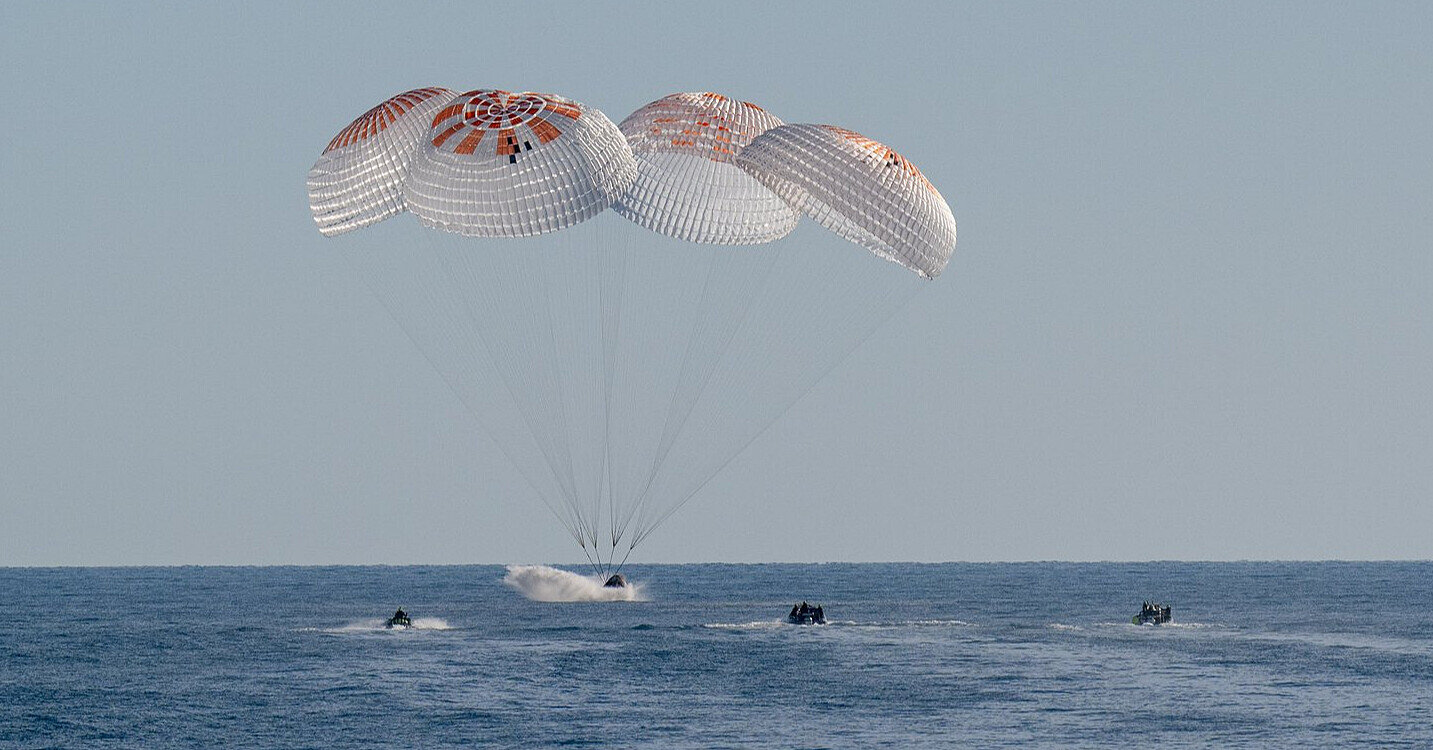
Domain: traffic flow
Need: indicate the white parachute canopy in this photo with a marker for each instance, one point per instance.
(859, 189)
(618, 369)
(688, 185)
(358, 179)
(501, 164)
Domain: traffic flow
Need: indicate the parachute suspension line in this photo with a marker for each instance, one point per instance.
(601, 482)
(758, 345)
(902, 299)
(450, 381)
(658, 288)
(628, 554)
(746, 292)
(502, 357)
(502, 353)
(671, 404)
(615, 290)
(595, 254)
(594, 564)
(544, 282)
(580, 261)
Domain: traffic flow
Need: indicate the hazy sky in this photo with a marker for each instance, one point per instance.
(1189, 315)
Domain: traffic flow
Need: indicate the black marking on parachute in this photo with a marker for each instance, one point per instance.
(512, 158)
(526, 146)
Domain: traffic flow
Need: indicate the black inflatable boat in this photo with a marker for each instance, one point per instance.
(805, 614)
(1153, 614)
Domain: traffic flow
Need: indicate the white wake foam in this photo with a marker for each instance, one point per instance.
(543, 584)
(757, 625)
(776, 624)
(378, 623)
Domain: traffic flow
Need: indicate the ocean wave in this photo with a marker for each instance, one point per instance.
(1364, 641)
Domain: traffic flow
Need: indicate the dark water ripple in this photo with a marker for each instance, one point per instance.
(960, 655)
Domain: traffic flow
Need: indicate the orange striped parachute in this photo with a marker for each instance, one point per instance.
(619, 369)
(858, 189)
(500, 164)
(359, 178)
(688, 185)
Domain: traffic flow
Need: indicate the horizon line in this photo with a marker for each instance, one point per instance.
(580, 565)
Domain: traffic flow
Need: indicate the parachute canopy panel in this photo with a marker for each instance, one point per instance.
(357, 181)
(501, 164)
(859, 189)
(688, 185)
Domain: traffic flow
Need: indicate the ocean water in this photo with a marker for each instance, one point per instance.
(951, 655)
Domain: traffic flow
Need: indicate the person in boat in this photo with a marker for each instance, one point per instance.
(819, 615)
(400, 615)
(795, 611)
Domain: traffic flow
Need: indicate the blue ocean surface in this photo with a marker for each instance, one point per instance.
(949, 655)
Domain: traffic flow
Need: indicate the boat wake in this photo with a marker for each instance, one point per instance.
(779, 624)
(379, 624)
(756, 625)
(1164, 626)
(913, 624)
(543, 584)
(1126, 626)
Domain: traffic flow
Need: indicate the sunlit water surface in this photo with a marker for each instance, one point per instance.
(957, 655)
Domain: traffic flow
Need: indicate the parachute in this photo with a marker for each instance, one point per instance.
(859, 189)
(620, 369)
(688, 185)
(551, 163)
(358, 180)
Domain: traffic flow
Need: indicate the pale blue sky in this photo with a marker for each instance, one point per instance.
(1189, 315)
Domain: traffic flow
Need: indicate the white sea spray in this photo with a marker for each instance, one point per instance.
(541, 583)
